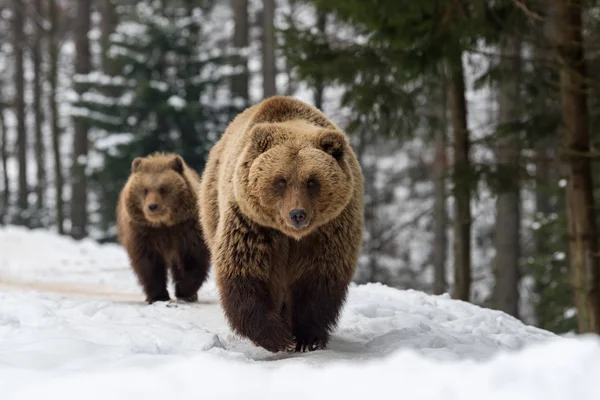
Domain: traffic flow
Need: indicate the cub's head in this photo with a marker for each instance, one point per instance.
(294, 177)
(158, 193)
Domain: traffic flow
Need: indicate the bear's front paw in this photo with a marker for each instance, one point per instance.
(164, 296)
(290, 348)
(188, 299)
(276, 344)
(303, 346)
(276, 336)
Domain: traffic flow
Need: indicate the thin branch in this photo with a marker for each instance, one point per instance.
(529, 13)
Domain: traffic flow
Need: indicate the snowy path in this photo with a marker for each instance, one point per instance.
(72, 320)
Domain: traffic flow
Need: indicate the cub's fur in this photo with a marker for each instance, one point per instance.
(282, 212)
(158, 224)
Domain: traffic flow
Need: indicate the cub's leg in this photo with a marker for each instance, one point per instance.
(243, 266)
(151, 271)
(191, 272)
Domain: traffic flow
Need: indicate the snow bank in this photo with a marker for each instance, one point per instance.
(102, 341)
(556, 371)
(40, 256)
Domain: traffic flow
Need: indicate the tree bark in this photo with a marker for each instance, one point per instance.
(461, 180)
(22, 217)
(107, 27)
(440, 214)
(53, 50)
(239, 85)
(319, 83)
(80, 140)
(547, 166)
(269, 68)
(580, 198)
(505, 294)
(4, 155)
(291, 85)
(40, 158)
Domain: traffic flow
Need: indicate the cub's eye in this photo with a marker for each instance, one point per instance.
(162, 190)
(145, 191)
(311, 183)
(281, 183)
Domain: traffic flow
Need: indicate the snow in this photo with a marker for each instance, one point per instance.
(73, 320)
(176, 102)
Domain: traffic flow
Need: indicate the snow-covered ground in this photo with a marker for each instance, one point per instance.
(73, 325)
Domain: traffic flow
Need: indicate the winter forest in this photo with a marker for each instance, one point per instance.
(474, 121)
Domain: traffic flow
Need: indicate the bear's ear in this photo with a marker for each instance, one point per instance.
(136, 164)
(263, 137)
(333, 143)
(177, 164)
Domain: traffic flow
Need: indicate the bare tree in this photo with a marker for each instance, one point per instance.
(239, 85)
(291, 84)
(19, 42)
(80, 142)
(37, 109)
(319, 83)
(107, 27)
(505, 295)
(269, 70)
(440, 214)
(545, 147)
(461, 180)
(53, 56)
(580, 197)
(4, 156)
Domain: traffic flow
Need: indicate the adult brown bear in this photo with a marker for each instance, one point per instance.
(282, 212)
(158, 224)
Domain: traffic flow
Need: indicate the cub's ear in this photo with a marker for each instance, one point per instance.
(136, 164)
(264, 136)
(333, 143)
(177, 164)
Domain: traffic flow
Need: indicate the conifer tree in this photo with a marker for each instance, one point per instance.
(169, 93)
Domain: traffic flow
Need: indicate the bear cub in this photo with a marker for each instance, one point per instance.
(282, 213)
(158, 225)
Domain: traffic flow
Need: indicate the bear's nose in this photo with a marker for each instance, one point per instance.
(152, 207)
(298, 217)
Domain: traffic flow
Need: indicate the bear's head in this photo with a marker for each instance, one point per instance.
(159, 194)
(294, 176)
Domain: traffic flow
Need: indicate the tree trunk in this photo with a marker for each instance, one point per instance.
(440, 214)
(80, 142)
(4, 155)
(547, 163)
(580, 199)
(38, 113)
(291, 85)
(319, 83)
(107, 27)
(239, 85)
(22, 216)
(462, 181)
(269, 69)
(545, 167)
(505, 295)
(53, 50)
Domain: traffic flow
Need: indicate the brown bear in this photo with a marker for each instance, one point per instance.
(282, 212)
(158, 224)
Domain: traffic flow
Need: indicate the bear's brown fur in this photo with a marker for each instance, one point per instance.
(158, 225)
(282, 213)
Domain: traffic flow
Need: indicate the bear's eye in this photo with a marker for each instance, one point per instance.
(162, 190)
(145, 191)
(313, 186)
(281, 183)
